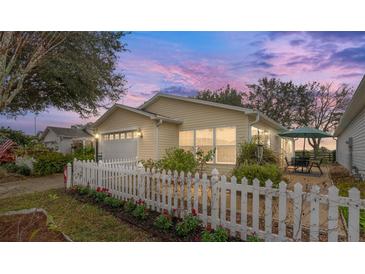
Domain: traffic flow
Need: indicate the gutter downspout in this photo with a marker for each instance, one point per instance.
(157, 154)
(251, 124)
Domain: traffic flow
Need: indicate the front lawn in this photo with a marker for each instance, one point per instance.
(80, 221)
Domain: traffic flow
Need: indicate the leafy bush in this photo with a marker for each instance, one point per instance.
(187, 226)
(247, 154)
(180, 160)
(87, 153)
(50, 162)
(16, 136)
(113, 202)
(24, 170)
(253, 238)
(163, 222)
(261, 172)
(203, 158)
(150, 163)
(10, 167)
(129, 206)
(83, 190)
(218, 235)
(140, 212)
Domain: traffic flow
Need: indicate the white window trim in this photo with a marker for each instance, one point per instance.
(214, 143)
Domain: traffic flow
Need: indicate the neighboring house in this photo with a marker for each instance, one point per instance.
(350, 134)
(61, 139)
(167, 121)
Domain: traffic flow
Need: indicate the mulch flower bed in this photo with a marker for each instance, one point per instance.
(147, 224)
(28, 227)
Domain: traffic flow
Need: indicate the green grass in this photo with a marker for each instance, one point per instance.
(80, 221)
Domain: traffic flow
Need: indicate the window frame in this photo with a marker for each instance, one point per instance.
(214, 141)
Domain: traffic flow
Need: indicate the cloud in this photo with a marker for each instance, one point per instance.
(297, 42)
(179, 90)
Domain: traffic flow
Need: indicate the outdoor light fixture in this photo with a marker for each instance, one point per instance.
(260, 152)
(139, 133)
(96, 136)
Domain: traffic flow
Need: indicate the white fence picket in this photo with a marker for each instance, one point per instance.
(268, 211)
(223, 195)
(244, 209)
(354, 215)
(333, 214)
(297, 205)
(255, 206)
(205, 198)
(161, 190)
(233, 206)
(282, 211)
(314, 214)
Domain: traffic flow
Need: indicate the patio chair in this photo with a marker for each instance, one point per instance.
(290, 165)
(316, 164)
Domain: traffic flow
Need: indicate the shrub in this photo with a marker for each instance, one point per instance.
(50, 162)
(253, 238)
(10, 167)
(140, 212)
(218, 235)
(203, 158)
(83, 190)
(151, 164)
(24, 170)
(180, 160)
(87, 153)
(247, 154)
(92, 194)
(129, 206)
(187, 226)
(163, 222)
(261, 172)
(112, 202)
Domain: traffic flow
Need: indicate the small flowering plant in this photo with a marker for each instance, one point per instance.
(140, 211)
(187, 226)
(129, 206)
(218, 235)
(101, 194)
(164, 221)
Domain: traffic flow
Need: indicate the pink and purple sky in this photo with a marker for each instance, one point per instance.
(183, 62)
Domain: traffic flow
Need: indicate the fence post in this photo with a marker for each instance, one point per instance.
(255, 205)
(354, 215)
(314, 215)
(268, 211)
(332, 214)
(215, 200)
(140, 181)
(100, 173)
(244, 208)
(297, 228)
(69, 175)
(282, 211)
(232, 208)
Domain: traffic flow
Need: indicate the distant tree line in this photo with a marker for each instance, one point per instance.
(293, 105)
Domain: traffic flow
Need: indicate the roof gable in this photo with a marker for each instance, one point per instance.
(67, 132)
(247, 111)
(150, 115)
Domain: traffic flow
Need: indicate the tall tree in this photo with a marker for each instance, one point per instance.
(227, 95)
(313, 104)
(325, 111)
(73, 71)
(281, 101)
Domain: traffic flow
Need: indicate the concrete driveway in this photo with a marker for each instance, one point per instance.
(35, 184)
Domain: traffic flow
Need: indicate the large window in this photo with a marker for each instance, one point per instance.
(225, 145)
(186, 140)
(204, 139)
(223, 139)
(260, 136)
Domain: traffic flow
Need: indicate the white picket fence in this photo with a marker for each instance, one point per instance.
(180, 193)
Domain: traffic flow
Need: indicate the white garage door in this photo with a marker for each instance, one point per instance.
(117, 149)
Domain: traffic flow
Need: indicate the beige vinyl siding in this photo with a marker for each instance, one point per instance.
(356, 130)
(123, 119)
(168, 137)
(198, 116)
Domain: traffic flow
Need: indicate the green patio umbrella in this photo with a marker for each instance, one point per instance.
(305, 132)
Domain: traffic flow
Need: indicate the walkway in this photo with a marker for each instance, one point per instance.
(34, 184)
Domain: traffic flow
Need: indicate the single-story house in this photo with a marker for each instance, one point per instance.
(167, 121)
(62, 139)
(350, 133)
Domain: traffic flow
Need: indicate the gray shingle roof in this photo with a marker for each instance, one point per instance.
(69, 132)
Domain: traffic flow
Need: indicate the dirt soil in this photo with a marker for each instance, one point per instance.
(30, 185)
(27, 228)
